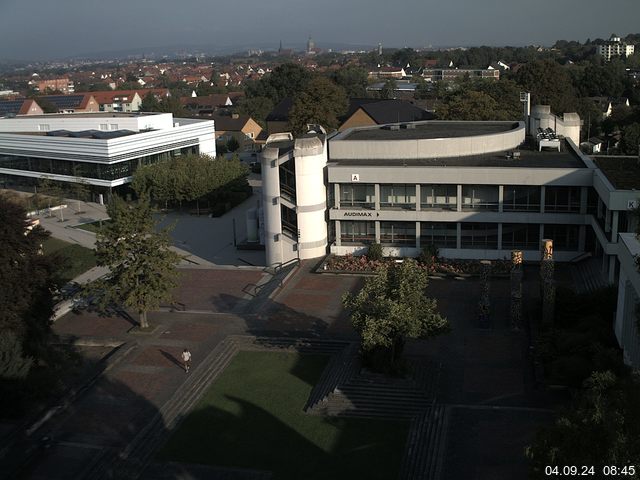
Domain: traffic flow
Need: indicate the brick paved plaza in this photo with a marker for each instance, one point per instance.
(484, 382)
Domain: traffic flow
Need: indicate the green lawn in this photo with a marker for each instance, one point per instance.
(93, 226)
(74, 258)
(251, 417)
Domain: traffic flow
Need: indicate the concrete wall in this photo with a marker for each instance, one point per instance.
(76, 122)
(568, 125)
(428, 148)
(628, 296)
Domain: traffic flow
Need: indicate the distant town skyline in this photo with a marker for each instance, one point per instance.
(40, 30)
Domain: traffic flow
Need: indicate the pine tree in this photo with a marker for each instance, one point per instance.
(143, 268)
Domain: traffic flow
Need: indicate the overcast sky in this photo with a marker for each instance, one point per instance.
(37, 29)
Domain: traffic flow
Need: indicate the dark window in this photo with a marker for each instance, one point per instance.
(359, 233)
(517, 198)
(398, 233)
(438, 197)
(480, 235)
(441, 235)
(565, 237)
(288, 180)
(289, 222)
(398, 196)
(562, 199)
(480, 197)
(521, 236)
(361, 196)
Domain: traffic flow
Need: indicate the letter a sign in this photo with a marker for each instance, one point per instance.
(355, 177)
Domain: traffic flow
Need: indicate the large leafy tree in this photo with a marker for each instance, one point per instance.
(549, 84)
(601, 427)
(353, 79)
(142, 267)
(321, 102)
(391, 307)
(286, 80)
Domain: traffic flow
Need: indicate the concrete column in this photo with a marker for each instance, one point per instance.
(338, 233)
(336, 194)
(614, 226)
(542, 194)
(459, 200)
(582, 237)
(500, 232)
(500, 200)
(584, 192)
(376, 195)
(600, 205)
(541, 233)
(418, 234)
(607, 221)
(377, 231)
(458, 233)
(612, 269)
(418, 198)
(271, 205)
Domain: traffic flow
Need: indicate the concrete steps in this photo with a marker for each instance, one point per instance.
(425, 445)
(587, 276)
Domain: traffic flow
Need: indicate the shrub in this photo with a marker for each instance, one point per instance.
(429, 255)
(375, 252)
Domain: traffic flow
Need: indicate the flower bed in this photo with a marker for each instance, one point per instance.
(361, 264)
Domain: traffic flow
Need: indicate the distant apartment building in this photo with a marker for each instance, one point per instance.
(63, 85)
(614, 47)
(117, 100)
(77, 103)
(23, 106)
(388, 72)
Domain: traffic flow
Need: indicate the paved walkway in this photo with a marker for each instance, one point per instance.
(491, 404)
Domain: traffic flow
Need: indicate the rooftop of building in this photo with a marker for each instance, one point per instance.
(428, 130)
(528, 158)
(622, 172)
(86, 115)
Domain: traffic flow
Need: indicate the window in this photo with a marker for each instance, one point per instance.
(562, 199)
(480, 235)
(565, 237)
(356, 195)
(114, 126)
(438, 197)
(441, 235)
(522, 236)
(104, 126)
(289, 222)
(517, 198)
(398, 233)
(480, 197)
(288, 180)
(43, 127)
(398, 196)
(352, 232)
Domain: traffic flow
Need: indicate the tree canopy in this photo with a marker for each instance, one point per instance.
(549, 84)
(321, 102)
(142, 268)
(391, 307)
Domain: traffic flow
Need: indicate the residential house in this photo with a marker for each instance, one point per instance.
(388, 72)
(77, 103)
(23, 106)
(206, 105)
(371, 111)
(241, 127)
(63, 85)
(117, 100)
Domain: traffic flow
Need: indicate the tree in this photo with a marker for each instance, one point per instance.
(142, 267)
(321, 102)
(286, 80)
(353, 79)
(256, 107)
(233, 144)
(630, 139)
(389, 89)
(470, 105)
(392, 307)
(150, 103)
(601, 427)
(549, 84)
(27, 279)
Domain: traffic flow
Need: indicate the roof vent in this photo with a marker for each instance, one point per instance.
(394, 127)
(410, 126)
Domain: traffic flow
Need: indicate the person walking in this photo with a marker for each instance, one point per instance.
(186, 359)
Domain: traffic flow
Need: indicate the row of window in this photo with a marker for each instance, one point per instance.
(473, 235)
(516, 198)
(100, 171)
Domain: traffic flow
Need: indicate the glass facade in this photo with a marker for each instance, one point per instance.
(480, 235)
(442, 235)
(92, 170)
(522, 236)
(398, 196)
(565, 237)
(287, 173)
(357, 195)
(357, 233)
(438, 197)
(480, 197)
(518, 198)
(562, 200)
(289, 222)
(398, 233)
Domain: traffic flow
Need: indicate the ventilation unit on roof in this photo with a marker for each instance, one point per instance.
(394, 127)
(411, 126)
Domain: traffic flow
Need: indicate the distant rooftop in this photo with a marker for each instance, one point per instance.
(622, 172)
(431, 130)
(529, 158)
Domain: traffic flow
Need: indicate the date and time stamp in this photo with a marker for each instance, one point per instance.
(613, 471)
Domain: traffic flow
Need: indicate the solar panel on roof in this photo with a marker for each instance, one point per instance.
(58, 133)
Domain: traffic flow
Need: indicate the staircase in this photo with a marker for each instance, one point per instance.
(587, 275)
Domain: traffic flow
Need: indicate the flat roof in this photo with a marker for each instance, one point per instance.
(622, 172)
(529, 158)
(87, 115)
(430, 130)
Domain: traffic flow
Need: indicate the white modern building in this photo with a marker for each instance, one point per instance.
(474, 190)
(102, 149)
(614, 47)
